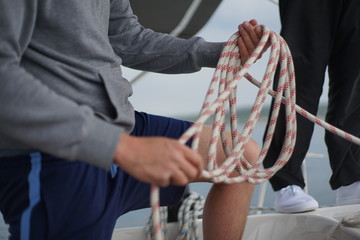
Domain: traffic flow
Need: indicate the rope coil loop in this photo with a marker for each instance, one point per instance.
(190, 211)
(227, 75)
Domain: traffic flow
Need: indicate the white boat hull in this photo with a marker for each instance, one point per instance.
(322, 224)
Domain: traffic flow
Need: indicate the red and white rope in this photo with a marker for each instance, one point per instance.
(155, 216)
(228, 73)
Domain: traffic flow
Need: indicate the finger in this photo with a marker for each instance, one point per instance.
(252, 33)
(259, 31)
(244, 54)
(195, 159)
(253, 22)
(189, 169)
(248, 42)
(179, 178)
(162, 179)
(183, 160)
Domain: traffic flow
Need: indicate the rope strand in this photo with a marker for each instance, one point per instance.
(228, 73)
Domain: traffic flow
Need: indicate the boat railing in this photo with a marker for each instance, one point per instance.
(274, 1)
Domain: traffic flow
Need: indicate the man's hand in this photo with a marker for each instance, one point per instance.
(250, 35)
(158, 160)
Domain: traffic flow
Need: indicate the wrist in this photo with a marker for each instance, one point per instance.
(120, 151)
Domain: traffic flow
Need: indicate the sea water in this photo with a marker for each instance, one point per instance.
(318, 172)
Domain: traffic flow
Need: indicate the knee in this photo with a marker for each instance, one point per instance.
(252, 151)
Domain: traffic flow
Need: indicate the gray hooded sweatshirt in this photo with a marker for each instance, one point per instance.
(61, 87)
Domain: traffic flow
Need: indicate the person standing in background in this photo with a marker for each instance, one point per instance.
(321, 34)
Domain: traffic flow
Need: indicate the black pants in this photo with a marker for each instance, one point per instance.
(321, 34)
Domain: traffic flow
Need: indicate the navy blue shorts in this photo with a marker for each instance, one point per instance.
(44, 197)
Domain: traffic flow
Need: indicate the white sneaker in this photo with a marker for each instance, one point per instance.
(348, 194)
(292, 199)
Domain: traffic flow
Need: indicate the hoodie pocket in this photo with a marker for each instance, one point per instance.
(118, 90)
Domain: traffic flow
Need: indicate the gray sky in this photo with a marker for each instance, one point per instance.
(175, 95)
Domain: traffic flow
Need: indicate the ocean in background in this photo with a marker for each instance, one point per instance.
(318, 170)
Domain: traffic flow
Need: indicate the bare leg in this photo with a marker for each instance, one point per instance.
(227, 205)
(226, 211)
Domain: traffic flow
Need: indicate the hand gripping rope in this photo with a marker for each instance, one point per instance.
(228, 73)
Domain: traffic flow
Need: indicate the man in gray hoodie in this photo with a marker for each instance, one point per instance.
(73, 152)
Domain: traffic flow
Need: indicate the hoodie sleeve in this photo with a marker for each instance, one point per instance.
(34, 115)
(144, 49)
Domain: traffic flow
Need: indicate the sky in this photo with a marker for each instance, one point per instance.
(183, 94)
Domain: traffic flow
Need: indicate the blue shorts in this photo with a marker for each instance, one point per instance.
(44, 197)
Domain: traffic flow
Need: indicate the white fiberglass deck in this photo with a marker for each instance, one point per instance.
(322, 224)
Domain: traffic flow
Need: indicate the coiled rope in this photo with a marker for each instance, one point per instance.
(228, 73)
(190, 211)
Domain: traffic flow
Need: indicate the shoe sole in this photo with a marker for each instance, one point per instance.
(297, 209)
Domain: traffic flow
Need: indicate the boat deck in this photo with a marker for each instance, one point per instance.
(324, 223)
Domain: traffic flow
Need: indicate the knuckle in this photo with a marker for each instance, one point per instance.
(183, 181)
(193, 172)
(162, 180)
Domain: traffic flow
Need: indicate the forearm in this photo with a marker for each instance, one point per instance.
(165, 54)
(145, 49)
